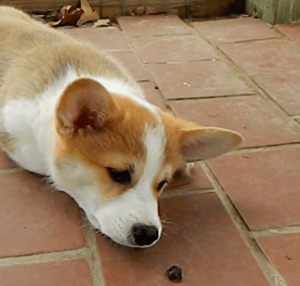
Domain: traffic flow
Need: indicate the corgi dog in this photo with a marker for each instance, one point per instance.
(73, 114)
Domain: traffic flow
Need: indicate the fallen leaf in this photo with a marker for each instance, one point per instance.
(139, 11)
(102, 23)
(69, 16)
(145, 10)
(62, 10)
(150, 10)
(89, 14)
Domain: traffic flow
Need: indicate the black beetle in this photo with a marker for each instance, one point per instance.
(174, 274)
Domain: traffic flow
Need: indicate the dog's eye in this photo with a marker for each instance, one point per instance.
(162, 185)
(119, 176)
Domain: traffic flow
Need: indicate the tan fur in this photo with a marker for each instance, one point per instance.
(32, 56)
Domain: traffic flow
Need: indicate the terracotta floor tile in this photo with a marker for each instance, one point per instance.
(35, 218)
(153, 25)
(292, 31)
(5, 162)
(110, 38)
(267, 56)
(196, 181)
(196, 79)
(264, 186)
(249, 116)
(283, 88)
(178, 48)
(284, 253)
(131, 63)
(66, 273)
(153, 95)
(200, 239)
(233, 30)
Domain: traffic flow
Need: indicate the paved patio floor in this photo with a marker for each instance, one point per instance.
(237, 222)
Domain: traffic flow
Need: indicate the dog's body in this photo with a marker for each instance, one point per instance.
(73, 114)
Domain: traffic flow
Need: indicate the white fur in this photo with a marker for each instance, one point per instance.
(30, 121)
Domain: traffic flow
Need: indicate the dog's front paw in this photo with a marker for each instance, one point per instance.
(185, 171)
(182, 177)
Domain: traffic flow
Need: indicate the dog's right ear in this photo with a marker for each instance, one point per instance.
(85, 105)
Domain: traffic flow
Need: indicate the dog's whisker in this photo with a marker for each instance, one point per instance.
(165, 235)
(169, 222)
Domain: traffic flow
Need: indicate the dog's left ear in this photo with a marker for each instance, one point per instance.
(85, 105)
(201, 143)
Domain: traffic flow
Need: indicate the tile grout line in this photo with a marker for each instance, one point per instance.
(253, 40)
(92, 255)
(182, 62)
(177, 193)
(203, 98)
(128, 40)
(11, 170)
(276, 231)
(43, 257)
(252, 84)
(266, 148)
(266, 267)
(284, 36)
(158, 35)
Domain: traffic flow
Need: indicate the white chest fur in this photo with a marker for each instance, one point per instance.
(29, 122)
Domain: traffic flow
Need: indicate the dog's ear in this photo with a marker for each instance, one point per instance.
(196, 143)
(201, 143)
(85, 105)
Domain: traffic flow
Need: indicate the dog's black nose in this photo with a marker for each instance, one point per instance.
(144, 234)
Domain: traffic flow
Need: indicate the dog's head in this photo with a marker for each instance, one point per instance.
(115, 155)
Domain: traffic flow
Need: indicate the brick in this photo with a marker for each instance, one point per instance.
(284, 253)
(109, 38)
(284, 88)
(250, 116)
(264, 186)
(197, 79)
(267, 56)
(131, 63)
(292, 31)
(234, 30)
(179, 48)
(153, 25)
(35, 218)
(200, 239)
(67, 273)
